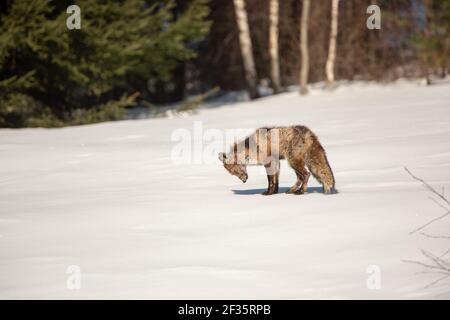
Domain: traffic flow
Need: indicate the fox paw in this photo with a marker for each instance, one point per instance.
(295, 191)
(268, 193)
(292, 190)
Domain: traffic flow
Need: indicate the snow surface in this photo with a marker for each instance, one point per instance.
(109, 199)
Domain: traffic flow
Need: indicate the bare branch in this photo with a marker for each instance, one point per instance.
(431, 272)
(439, 204)
(440, 267)
(445, 253)
(430, 222)
(436, 263)
(428, 186)
(422, 264)
(437, 281)
(442, 264)
(434, 237)
(440, 195)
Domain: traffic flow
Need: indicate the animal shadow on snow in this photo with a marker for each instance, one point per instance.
(280, 190)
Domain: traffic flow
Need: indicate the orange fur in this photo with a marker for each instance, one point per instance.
(267, 146)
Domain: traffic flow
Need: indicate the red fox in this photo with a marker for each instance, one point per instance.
(267, 146)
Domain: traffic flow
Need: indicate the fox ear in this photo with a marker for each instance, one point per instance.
(222, 156)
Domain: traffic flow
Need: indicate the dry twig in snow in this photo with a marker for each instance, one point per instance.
(436, 263)
(441, 196)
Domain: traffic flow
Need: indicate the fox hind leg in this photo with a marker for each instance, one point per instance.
(305, 175)
(301, 186)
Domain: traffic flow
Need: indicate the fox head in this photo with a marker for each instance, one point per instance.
(235, 169)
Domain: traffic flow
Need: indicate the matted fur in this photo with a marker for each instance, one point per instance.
(267, 146)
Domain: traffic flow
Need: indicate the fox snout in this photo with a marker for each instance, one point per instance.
(243, 177)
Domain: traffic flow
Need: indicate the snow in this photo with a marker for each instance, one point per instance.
(109, 199)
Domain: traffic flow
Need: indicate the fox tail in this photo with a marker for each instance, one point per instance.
(317, 163)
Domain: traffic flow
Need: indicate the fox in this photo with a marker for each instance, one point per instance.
(268, 145)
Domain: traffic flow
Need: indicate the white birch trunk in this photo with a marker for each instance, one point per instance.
(332, 47)
(246, 48)
(273, 46)
(304, 48)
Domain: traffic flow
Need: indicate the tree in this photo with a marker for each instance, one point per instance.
(246, 48)
(50, 76)
(273, 46)
(432, 42)
(304, 48)
(332, 44)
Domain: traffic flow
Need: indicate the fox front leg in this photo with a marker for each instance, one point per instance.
(273, 173)
(273, 185)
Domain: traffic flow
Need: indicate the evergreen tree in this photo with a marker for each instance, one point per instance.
(433, 42)
(50, 75)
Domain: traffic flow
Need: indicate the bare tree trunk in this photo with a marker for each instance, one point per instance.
(304, 48)
(246, 48)
(273, 46)
(332, 48)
